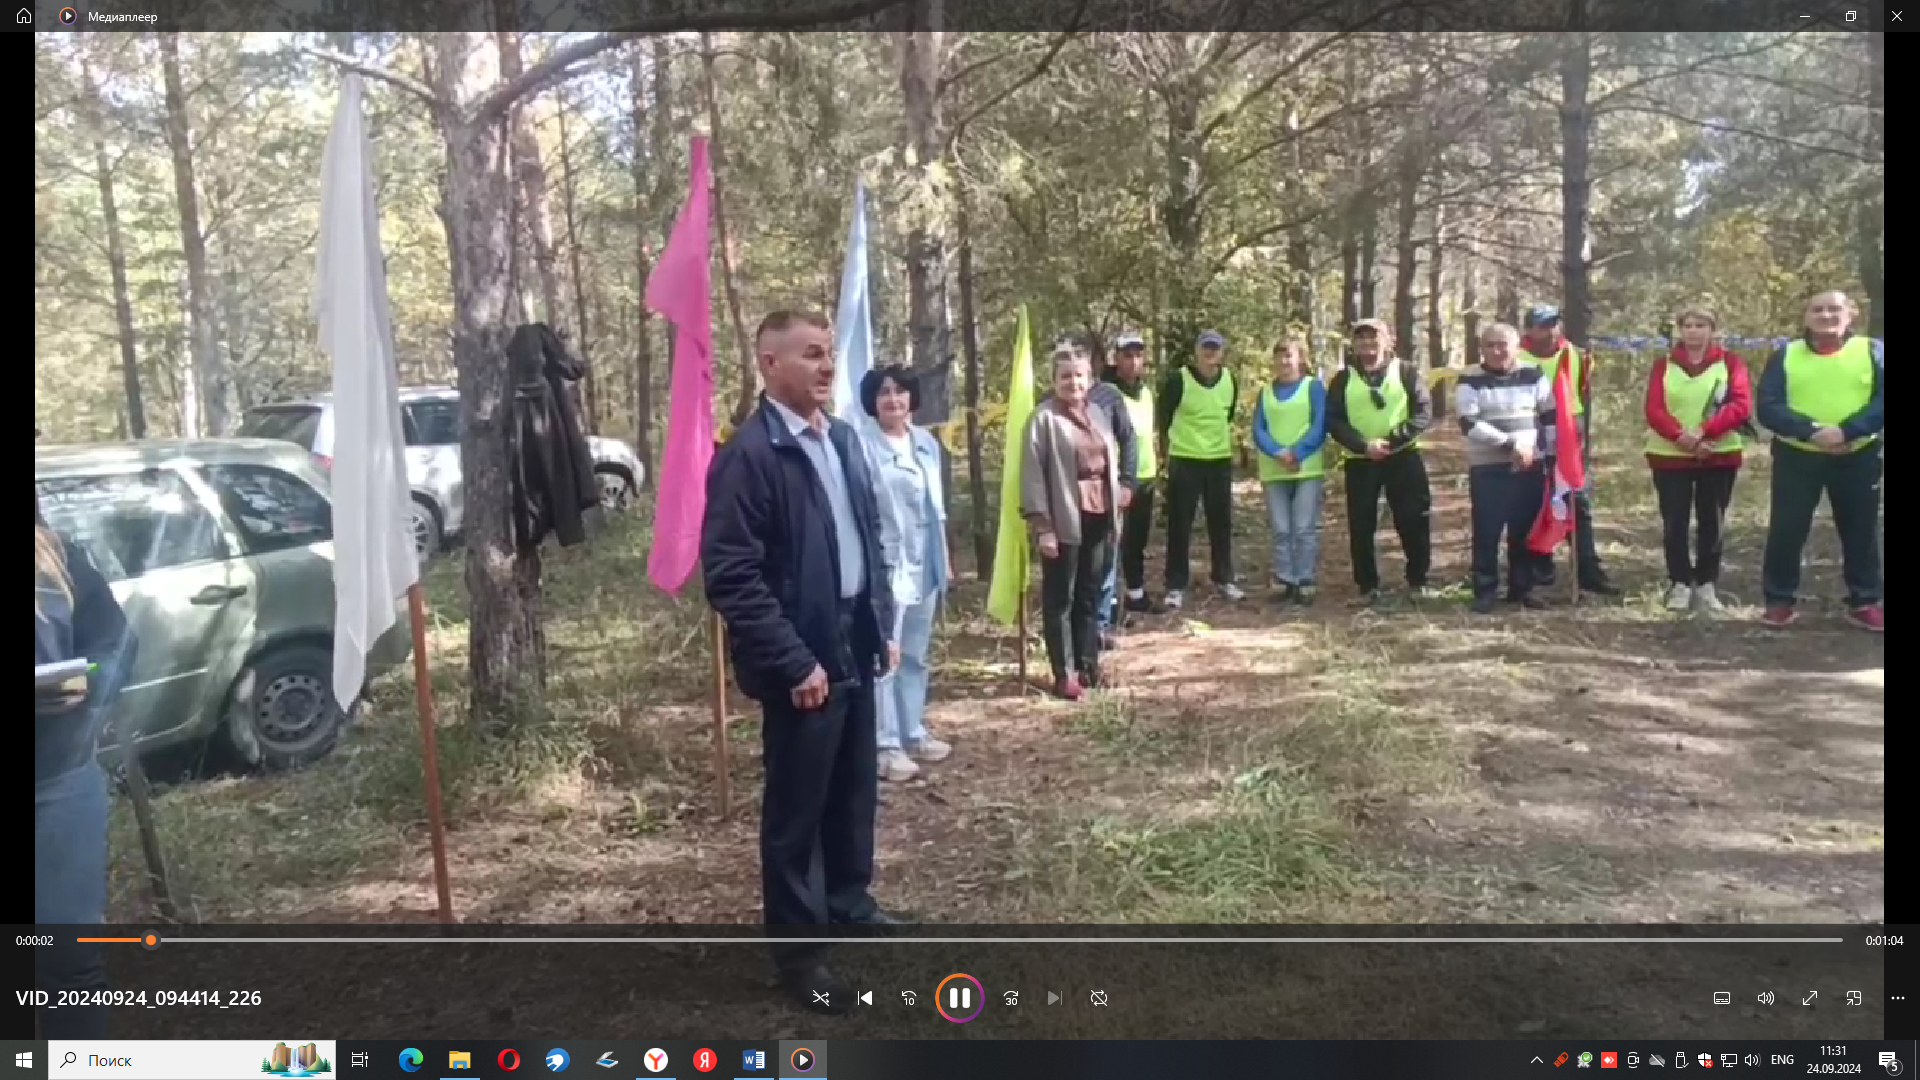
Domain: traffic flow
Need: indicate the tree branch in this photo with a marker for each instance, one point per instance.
(392, 78)
(1039, 69)
(554, 68)
(1723, 128)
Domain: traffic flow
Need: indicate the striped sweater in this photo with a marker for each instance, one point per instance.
(1501, 413)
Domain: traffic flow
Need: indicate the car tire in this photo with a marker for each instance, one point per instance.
(429, 538)
(616, 488)
(281, 714)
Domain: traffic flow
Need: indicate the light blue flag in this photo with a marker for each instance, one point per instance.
(853, 323)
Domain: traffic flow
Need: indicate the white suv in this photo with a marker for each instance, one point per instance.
(430, 417)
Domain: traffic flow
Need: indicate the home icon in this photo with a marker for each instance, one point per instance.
(25, 18)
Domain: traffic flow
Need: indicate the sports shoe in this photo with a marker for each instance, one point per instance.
(1705, 599)
(1067, 688)
(1175, 598)
(1779, 615)
(1869, 617)
(1483, 605)
(1304, 594)
(1599, 587)
(1141, 605)
(1233, 592)
(1367, 598)
(1527, 601)
(1680, 597)
(897, 767)
(930, 750)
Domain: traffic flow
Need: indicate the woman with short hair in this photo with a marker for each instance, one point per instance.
(1699, 399)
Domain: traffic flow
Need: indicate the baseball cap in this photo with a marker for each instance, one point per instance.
(1378, 326)
(1129, 340)
(1214, 338)
(1541, 315)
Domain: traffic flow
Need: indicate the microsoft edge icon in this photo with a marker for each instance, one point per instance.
(410, 1059)
(557, 1059)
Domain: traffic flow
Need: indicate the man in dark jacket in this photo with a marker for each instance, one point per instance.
(1377, 408)
(791, 552)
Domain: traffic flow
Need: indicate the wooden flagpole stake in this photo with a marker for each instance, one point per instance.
(430, 754)
(722, 757)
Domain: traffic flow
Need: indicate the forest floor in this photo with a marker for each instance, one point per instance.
(1255, 762)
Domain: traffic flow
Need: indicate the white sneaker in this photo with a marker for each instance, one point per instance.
(1705, 600)
(931, 750)
(1233, 592)
(897, 766)
(1680, 598)
(1174, 599)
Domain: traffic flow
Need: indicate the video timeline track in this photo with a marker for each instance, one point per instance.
(1817, 983)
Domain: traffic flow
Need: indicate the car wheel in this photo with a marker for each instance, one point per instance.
(426, 531)
(616, 491)
(282, 714)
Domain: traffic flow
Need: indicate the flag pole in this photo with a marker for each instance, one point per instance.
(430, 755)
(722, 765)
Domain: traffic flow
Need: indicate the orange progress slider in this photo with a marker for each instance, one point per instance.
(150, 939)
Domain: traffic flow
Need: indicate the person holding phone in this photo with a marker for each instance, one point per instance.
(793, 563)
(76, 621)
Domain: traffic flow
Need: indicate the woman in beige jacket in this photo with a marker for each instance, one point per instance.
(1070, 496)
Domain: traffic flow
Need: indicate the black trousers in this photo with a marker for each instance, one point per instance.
(1852, 486)
(816, 815)
(1505, 501)
(1133, 537)
(1686, 496)
(1070, 598)
(1402, 478)
(1199, 485)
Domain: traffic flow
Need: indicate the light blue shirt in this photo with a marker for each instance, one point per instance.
(913, 510)
(833, 476)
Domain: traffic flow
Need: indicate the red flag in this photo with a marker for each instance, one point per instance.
(679, 290)
(1569, 477)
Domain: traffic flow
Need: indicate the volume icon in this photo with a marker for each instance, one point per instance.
(959, 997)
(1766, 997)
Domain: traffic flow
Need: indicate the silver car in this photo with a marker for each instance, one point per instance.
(221, 553)
(430, 419)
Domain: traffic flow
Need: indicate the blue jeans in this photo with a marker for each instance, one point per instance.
(1293, 512)
(902, 695)
(1109, 610)
(70, 889)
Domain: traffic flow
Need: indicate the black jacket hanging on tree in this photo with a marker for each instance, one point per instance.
(549, 461)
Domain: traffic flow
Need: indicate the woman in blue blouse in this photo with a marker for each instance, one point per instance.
(1289, 428)
(906, 462)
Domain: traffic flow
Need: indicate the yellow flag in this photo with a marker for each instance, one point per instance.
(1010, 552)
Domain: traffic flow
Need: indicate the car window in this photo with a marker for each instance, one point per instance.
(433, 423)
(132, 523)
(298, 424)
(272, 508)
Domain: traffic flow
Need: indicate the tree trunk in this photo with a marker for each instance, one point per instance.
(209, 371)
(1470, 303)
(643, 217)
(1369, 255)
(1576, 184)
(136, 412)
(1436, 277)
(589, 386)
(749, 377)
(1183, 217)
(530, 176)
(186, 382)
(1349, 268)
(922, 47)
(504, 640)
(1871, 217)
(1406, 250)
(982, 522)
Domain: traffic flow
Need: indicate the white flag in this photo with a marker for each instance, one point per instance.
(372, 536)
(853, 323)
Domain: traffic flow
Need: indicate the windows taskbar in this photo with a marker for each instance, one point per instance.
(972, 1059)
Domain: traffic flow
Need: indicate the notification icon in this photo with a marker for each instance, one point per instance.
(705, 1060)
(1609, 1059)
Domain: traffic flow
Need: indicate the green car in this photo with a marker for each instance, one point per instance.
(221, 553)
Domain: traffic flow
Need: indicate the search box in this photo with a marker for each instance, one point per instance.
(232, 1059)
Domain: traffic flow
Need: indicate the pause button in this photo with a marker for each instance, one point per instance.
(959, 998)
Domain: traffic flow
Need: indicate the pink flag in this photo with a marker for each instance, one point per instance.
(680, 290)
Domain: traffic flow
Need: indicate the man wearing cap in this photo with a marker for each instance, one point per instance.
(1193, 416)
(1127, 374)
(1548, 348)
(1378, 406)
(1823, 396)
(1107, 397)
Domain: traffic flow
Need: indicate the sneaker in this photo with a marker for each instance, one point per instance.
(1233, 592)
(1175, 598)
(1779, 615)
(1425, 592)
(1304, 594)
(1869, 617)
(1367, 598)
(1527, 601)
(897, 767)
(1141, 604)
(1483, 605)
(1680, 597)
(1599, 587)
(1067, 688)
(1705, 599)
(930, 750)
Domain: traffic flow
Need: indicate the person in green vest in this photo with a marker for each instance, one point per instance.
(1548, 348)
(1289, 428)
(1194, 414)
(1127, 374)
(1378, 406)
(1823, 395)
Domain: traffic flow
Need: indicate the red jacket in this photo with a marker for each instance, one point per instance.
(1735, 411)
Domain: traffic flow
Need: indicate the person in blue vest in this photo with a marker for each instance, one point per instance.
(906, 461)
(1548, 348)
(1506, 409)
(793, 564)
(1378, 406)
(1823, 396)
(1194, 416)
(1289, 429)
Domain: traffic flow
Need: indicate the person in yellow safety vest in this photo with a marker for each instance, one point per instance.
(1378, 406)
(1289, 428)
(1824, 398)
(1546, 347)
(1127, 374)
(1193, 416)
